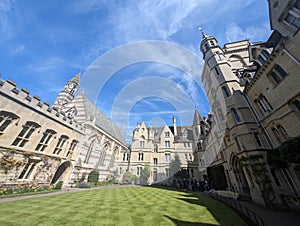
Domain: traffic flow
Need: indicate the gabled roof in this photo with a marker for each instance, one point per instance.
(87, 111)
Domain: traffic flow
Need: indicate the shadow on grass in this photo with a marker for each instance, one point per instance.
(186, 223)
(222, 213)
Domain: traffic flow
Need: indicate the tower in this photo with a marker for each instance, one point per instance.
(68, 93)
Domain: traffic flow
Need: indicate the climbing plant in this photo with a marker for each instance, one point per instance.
(217, 178)
(93, 177)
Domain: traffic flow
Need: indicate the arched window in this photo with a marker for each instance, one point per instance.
(5, 119)
(25, 134)
(60, 144)
(235, 115)
(44, 142)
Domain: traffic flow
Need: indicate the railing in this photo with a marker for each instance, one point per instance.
(246, 212)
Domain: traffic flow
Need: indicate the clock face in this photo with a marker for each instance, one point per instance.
(71, 85)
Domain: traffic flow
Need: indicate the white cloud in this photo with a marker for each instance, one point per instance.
(234, 32)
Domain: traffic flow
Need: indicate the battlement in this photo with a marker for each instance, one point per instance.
(9, 88)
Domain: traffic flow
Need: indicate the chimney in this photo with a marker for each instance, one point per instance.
(175, 127)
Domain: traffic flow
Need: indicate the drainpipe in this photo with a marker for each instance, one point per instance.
(265, 131)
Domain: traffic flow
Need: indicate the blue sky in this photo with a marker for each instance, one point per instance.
(45, 43)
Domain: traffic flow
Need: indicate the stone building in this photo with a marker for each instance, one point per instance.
(38, 144)
(253, 89)
(63, 142)
(166, 149)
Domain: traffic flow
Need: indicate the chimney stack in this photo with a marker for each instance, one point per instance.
(175, 127)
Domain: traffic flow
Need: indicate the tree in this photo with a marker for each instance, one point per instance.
(93, 177)
(145, 174)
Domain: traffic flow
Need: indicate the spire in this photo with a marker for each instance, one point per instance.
(76, 78)
(197, 117)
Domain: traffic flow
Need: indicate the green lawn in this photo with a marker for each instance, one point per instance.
(119, 206)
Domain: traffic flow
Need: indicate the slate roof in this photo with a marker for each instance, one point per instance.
(92, 113)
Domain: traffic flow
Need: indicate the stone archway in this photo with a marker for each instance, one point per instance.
(62, 169)
(242, 185)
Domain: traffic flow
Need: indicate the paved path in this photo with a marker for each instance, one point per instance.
(67, 190)
(273, 217)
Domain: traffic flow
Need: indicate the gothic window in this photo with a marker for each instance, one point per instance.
(113, 157)
(140, 156)
(257, 139)
(168, 157)
(280, 133)
(5, 119)
(235, 115)
(225, 91)
(44, 142)
(275, 177)
(220, 114)
(155, 161)
(263, 104)
(102, 155)
(89, 152)
(27, 170)
(25, 134)
(72, 148)
(60, 144)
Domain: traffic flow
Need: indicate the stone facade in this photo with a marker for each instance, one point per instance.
(166, 149)
(253, 89)
(41, 144)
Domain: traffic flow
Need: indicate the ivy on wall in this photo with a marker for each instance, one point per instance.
(288, 152)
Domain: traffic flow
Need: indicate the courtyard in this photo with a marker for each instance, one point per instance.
(120, 206)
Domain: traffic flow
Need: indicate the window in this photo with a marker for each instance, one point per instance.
(125, 156)
(167, 172)
(139, 170)
(225, 91)
(217, 71)
(140, 156)
(257, 139)
(167, 144)
(235, 115)
(25, 134)
(277, 74)
(297, 104)
(155, 161)
(5, 119)
(72, 148)
(191, 157)
(60, 144)
(47, 136)
(27, 170)
(155, 148)
(212, 43)
(142, 143)
(199, 146)
(292, 19)
(280, 133)
(168, 157)
(167, 134)
(264, 104)
(184, 133)
(186, 157)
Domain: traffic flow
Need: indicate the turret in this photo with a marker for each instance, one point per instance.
(68, 93)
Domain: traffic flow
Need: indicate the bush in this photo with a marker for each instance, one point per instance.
(59, 185)
(93, 177)
(84, 184)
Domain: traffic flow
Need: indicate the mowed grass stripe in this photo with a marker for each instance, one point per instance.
(119, 206)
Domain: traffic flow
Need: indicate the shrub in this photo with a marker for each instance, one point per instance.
(59, 185)
(82, 178)
(84, 184)
(93, 177)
